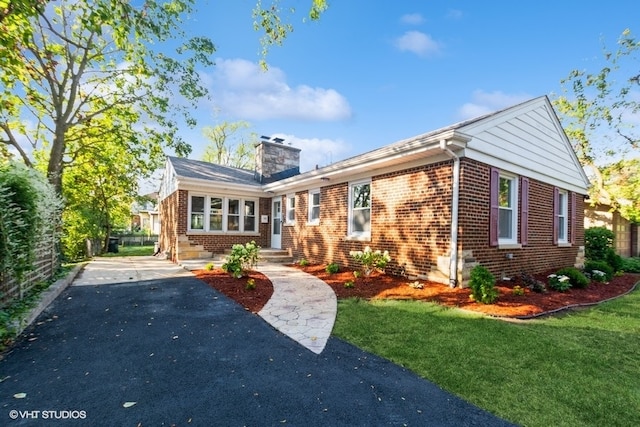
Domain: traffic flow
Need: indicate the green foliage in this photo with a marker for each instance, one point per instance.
(371, 260)
(241, 259)
(631, 265)
(559, 282)
(349, 284)
(597, 242)
(230, 144)
(29, 210)
(599, 271)
(250, 285)
(614, 260)
(209, 266)
(576, 277)
(332, 268)
(517, 290)
(303, 262)
(357, 274)
(482, 284)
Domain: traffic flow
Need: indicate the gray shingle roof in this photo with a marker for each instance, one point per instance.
(188, 168)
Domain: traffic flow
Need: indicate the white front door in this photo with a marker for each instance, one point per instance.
(276, 223)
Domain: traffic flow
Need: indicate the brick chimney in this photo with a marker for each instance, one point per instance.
(275, 160)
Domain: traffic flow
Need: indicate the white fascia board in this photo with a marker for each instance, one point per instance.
(221, 188)
(398, 156)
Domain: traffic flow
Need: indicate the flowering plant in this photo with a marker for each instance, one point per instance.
(371, 260)
(560, 283)
(599, 276)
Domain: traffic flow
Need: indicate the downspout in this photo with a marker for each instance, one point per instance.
(455, 202)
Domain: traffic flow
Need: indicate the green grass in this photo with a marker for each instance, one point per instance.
(580, 369)
(131, 251)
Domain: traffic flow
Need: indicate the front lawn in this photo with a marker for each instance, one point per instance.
(581, 368)
(130, 251)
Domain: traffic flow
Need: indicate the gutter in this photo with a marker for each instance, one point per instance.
(455, 203)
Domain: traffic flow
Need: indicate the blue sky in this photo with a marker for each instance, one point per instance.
(371, 73)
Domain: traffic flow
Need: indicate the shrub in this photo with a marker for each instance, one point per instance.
(517, 290)
(241, 259)
(349, 284)
(532, 283)
(597, 242)
(600, 271)
(357, 274)
(614, 260)
(371, 260)
(251, 284)
(631, 265)
(303, 262)
(559, 282)
(332, 268)
(416, 285)
(577, 279)
(482, 285)
(209, 266)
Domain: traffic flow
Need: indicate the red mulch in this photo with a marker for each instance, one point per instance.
(381, 286)
(251, 299)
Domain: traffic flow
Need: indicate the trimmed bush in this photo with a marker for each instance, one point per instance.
(614, 260)
(631, 265)
(593, 267)
(242, 258)
(597, 242)
(577, 279)
(332, 268)
(482, 285)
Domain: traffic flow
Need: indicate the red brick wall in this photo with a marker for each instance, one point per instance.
(540, 253)
(409, 218)
(174, 216)
(173, 220)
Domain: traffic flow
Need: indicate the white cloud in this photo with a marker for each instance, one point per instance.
(454, 14)
(242, 89)
(417, 42)
(317, 151)
(488, 102)
(412, 19)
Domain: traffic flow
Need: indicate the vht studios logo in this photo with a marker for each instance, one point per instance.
(48, 415)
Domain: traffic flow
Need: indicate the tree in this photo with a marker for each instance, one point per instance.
(229, 145)
(600, 112)
(87, 59)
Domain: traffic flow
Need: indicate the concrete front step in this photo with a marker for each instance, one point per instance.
(279, 256)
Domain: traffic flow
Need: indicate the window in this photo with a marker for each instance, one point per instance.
(291, 209)
(505, 217)
(197, 213)
(564, 227)
(215, 214)
(508, 202)
(249, 215)
(314, 206)
(233, 215)
(360, 209)
(222, 214)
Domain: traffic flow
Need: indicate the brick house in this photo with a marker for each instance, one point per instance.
(504, 190)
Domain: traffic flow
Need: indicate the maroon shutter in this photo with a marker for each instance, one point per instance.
(524, 210)
(494, 211)
(573, 218)
(556, 207)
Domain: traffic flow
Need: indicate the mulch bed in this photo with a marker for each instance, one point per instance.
(382, 286)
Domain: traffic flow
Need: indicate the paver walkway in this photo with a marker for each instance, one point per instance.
(302, 306)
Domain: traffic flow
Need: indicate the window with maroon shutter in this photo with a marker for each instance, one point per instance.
(524, 210)
(573, 218)
(495, 206)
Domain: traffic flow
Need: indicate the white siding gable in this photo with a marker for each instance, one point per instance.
(169, 182)
(527, 140)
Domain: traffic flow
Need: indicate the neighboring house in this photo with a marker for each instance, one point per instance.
(626, 240)
(504, 190)
(145, 216)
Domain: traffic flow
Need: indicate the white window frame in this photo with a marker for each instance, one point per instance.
(351, 232)
(513, 208)
(290, 210)
(563, 216)
(225, 214)
(310, 219)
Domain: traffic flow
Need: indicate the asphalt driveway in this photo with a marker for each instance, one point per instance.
(176, 352)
